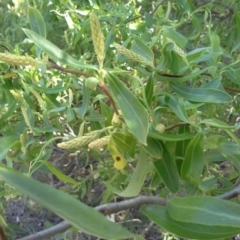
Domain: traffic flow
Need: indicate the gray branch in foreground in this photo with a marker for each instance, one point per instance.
(231, 194)
(105, 209)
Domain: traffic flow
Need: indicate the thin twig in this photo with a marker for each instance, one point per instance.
(232, 89)
(157, 6)
(52, 64)
(105, 209)
(103, 88)
(176, 125)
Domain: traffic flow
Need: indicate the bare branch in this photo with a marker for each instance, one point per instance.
(105, 209)
(231, 194)
(158, 5)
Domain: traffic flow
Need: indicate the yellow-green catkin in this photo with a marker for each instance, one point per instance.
(178, 50)
(19, 60)
(26, 117)
(18, 96)
(131, 55)
(98, 39)
(38, 97)
(99, 143)
(81, 129)
(78, 141)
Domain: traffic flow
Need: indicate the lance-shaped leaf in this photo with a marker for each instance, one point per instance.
(193, 163)
(205, 210)
(138, 177)
(171, 137)
(167, 170)
(177, 105)
(160, 216)
(135, 115)
(201, 94)
(54, 52)
(36, 21)
(69, 208)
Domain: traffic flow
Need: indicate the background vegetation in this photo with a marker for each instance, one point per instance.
(123, 104)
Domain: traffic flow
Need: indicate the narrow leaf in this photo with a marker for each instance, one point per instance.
(193, 162)
(135, 115)
(167, 170)
(54, 52)
(59, 174)
(171, 137)
(205, 210)
(202, 94)
(160, 216)
(141, 49)
(36, 21)
(149, 90)
(177, 105)
(153, 148)
(69, 208)
(138, 177)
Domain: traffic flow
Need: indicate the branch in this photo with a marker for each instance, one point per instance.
(176, 125)
(231, 194)
(105, 209)
(158, 5)
(52, 64)
(232, 89)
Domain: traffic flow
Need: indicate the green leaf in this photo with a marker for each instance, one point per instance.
(81, 216)
(125, 143)
(149, 90)
(160, 216)
(178, 38)
(138, 177)
(54, 52)
(58, 174)
(37, 24)
(181, 146)
(85, 102)
(177, 105)
(237, 27)
(36, 21)
(135, 115)
(214, 83)
(54, 90)
(201, 94)
(141, 49)
(171, 137)
(193, 162)
(153, 148)
(217, 123)
(166, 58)
(167, 170)
(205, 210)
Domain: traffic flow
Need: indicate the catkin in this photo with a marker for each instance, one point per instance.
(75, 143)
(131, 55)
(19, 60)
(98, 143)
(25, 116)
(78, 141)
(98, 39)
(38, 97)
(178, 50)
